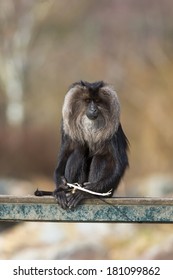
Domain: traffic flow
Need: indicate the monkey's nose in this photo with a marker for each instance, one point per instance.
(92, 115)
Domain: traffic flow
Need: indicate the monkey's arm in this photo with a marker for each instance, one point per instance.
(63, 156)
(60, 191)
(59, 175)
(106, 170)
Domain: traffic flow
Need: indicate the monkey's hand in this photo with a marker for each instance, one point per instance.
(60, 196)
(73, 199)
(86, 190)
(60, 193)
(76, 195)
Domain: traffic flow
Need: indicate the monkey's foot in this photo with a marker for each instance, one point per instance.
(74, 199)
(61, 198)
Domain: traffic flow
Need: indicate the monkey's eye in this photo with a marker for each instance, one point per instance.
(87, 100)
(97, 100)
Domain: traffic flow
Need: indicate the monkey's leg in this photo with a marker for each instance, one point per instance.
(76, 168)
(75, 171)
(101, 178)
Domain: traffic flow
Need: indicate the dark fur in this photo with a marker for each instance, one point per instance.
(101, 162)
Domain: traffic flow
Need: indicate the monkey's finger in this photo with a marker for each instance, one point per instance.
(74, 199)
(61, 199)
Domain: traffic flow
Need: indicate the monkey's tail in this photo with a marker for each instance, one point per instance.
(42, 193)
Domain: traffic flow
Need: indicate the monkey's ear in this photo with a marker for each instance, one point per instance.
(90, 86)
(79, 83)
(83, 83)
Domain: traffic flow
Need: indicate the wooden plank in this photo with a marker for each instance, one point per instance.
(124, 210)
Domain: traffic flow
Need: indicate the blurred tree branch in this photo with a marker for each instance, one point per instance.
(17, 20)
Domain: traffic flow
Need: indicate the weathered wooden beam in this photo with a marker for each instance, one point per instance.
(124, 210)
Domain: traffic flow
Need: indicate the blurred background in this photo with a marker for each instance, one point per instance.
(46, 45)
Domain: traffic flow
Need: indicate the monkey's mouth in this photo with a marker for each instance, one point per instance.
(93, 123)
(92, 116)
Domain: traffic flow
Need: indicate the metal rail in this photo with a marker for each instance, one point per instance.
(114, 210)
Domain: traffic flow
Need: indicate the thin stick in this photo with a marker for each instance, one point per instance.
(78, 187)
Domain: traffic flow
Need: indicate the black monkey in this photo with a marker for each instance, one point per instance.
(94, 147)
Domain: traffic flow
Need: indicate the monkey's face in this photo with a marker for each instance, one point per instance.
(94, 107)
(93, 118)
(91, 111)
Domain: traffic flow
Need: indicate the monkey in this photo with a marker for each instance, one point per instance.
(94, 147)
